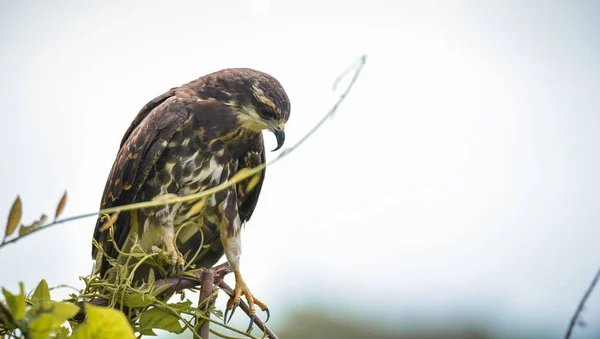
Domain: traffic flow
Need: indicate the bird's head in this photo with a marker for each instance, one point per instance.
(258, 99)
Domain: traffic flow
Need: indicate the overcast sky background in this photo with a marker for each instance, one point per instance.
(459, 180)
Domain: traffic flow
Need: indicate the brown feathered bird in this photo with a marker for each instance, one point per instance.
(190, 139)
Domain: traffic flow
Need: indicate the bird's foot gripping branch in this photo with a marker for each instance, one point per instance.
(117, 305)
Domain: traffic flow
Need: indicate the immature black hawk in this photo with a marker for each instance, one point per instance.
(189, 139)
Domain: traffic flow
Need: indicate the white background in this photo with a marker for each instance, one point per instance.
(458, 181)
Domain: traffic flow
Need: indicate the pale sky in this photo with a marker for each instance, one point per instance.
(459, 180)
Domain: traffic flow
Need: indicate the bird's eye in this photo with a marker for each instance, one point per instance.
(266, 112)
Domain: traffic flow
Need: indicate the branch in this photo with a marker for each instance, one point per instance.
(581, 305)
(218, 273)
(186, 282)
(223, 285)
(207, 278)
(358, 66)
(4, 243)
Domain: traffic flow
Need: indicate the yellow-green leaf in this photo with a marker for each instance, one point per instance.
(197, 208)
(62, 332)
(34, 226)
(42, 292)
(61, 205)
(14, 217)
(113, 218)
(161, 289)
(240, 175)
(156, 318)
(138, 300)
(252, 183)
(181, 306)
(16, 303)
(103, 323)
(48, 316)
(7, 319)
(216, 312)
(151, 279)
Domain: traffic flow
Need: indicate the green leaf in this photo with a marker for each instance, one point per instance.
(103, 323)
(16, 303)
(216, 312)
(159, 319)
(7, 319)
(42, 292)
(47, 316)
(181, 306)
(151, 279)
(147, 332)
(138, 300)
(161, 289)
(62, 332)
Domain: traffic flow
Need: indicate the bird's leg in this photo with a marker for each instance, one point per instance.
(177, 260)
(230, 227)
(163, 232)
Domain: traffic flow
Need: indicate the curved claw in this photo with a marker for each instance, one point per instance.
(181, 268)
(268, 314)
(225, 316)
(155, 250)
(251, 323)
(173, 269)
(235, 305)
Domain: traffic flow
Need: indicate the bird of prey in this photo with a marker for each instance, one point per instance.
(190, 139)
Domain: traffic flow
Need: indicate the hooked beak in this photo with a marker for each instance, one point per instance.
(279, 135)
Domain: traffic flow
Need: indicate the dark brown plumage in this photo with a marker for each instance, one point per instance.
(189, 139)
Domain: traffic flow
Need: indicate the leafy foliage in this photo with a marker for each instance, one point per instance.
(38, 317)
(103, 323)
(147, 305)
(14, 220)
(158, 318)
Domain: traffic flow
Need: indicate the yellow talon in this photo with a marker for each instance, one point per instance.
(241, 289)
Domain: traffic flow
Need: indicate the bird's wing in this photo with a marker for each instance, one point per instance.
(152, 104)
(248, 195)
(142, 145)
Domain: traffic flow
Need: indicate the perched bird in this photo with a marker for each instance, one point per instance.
(190, 139)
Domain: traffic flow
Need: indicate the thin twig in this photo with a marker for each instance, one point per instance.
(49, 225)
(359, 66)
(250, 172)
(223, 285)
(581, 305)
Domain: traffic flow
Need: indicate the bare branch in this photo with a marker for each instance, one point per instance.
(223, 285)
(47, 226)
(358, 66)
(207, 278)
(581, 305)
